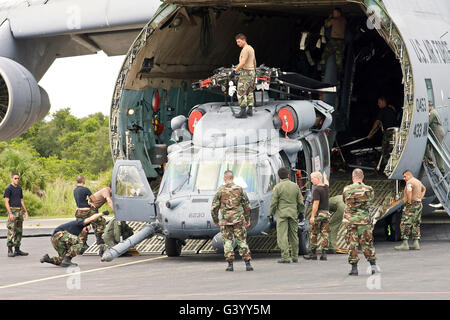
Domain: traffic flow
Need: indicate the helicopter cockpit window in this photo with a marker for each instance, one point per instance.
(129, 183)
(244, 174)
(267, 176)
(179, 176)
(207, 175)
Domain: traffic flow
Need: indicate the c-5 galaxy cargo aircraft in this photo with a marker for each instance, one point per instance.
(34, 33)
(398, 48)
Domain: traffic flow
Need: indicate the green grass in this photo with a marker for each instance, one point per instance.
(58, 201)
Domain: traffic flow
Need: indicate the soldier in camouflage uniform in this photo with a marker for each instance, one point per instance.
(15, 206)
(287, 204)
(246, 83)
(83, 198)
(412, 212)
(358, 198)
(67, 239)
(336, 44)
(320, 217)
(234, 207)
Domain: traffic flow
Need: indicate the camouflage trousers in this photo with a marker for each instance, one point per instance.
(333, 46)
(98, 224)
(15, 228)
(321, 227)
(235, 232)
(360, 234)
(287, 235)
(66, 244)
(245, 87)
(410, 222)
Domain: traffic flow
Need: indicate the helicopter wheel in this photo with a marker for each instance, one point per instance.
(173, 247)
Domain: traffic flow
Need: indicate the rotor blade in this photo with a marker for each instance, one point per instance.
(353, 142)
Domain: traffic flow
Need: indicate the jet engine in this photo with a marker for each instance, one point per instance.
(22, 101)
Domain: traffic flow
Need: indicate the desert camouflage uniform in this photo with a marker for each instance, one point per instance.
(66, 244)
(320, 228)
(98, 224)
(334, 46)
(411, 220)
(357, 198)
(15, 228)
(245, 87)
(235, 213)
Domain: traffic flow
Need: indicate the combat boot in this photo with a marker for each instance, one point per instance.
(20, 253)
(250, 111)
(230, 266)
(415, 245)
(354, 271)
(47, 259)
(323, 256)
(403, 246)
(311, 256)
(242, 114)
(99, 239)
(67, 262)
(101, 250)
(373, 266)
(85, 247)
(248, 266)
(11, 252)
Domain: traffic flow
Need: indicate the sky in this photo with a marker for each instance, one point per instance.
(85, 84)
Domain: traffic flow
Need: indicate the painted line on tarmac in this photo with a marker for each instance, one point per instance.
(77, 273)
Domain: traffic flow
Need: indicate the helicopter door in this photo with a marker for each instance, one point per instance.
(132, 196)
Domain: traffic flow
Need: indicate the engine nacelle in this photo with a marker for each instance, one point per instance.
(22, 101)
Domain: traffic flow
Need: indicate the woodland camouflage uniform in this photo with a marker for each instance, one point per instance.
(358, 198)
(234, 208)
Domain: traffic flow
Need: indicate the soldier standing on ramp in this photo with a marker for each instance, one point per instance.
(246, 83)
(287, 204)
(412, 213)
(235, 218)
(357, 197)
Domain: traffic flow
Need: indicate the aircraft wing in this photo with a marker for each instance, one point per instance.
(108, 25)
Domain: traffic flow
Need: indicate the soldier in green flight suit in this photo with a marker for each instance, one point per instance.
(286, 205)
(358, 197)
(234, 207)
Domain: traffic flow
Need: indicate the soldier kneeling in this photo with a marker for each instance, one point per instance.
(67, 239)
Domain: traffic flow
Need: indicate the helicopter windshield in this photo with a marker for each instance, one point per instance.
(207, 175)
(244, 172)
(179, 176)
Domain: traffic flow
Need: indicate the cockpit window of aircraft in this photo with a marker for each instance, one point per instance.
(244, 174)
(267, 176)
(179, 176)
(207, 175)
(129, 182)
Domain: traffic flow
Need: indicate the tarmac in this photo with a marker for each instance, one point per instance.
(403, 275)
